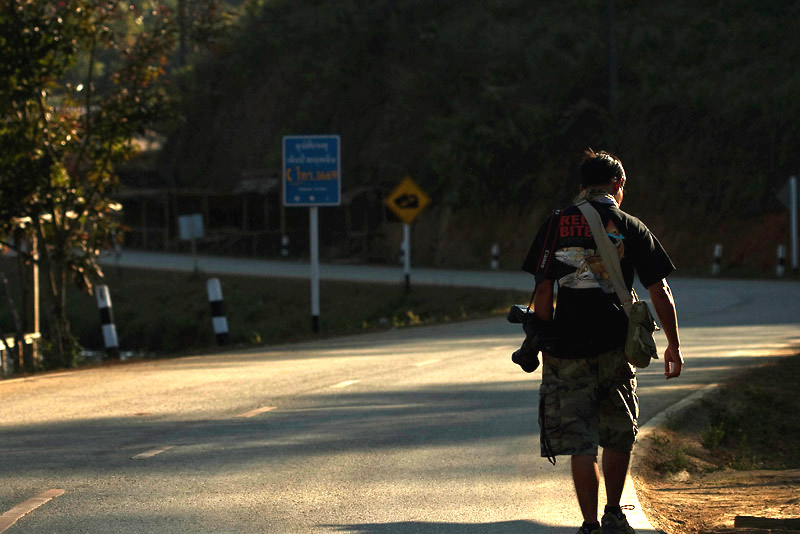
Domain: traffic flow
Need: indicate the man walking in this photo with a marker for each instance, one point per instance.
(588, 392)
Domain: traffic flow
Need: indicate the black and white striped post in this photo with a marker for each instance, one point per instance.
(285, 246)
(715, 267)
(218, 319)
(780, 270)
(495, 263)
(107, 321)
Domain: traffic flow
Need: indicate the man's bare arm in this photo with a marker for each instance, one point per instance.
(661, 297)
(543, 300)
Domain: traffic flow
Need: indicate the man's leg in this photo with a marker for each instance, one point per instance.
(619, 410)
(586, 477)
(615, 471)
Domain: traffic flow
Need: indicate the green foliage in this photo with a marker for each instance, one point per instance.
(442, 92)
(677, 460)
(79, 80)
(490, 102)
(673, 458)
(712, 435)
(751, 422)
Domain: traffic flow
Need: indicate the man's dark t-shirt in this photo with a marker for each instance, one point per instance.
(588, 316)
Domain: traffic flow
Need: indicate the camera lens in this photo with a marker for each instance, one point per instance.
(523, 357)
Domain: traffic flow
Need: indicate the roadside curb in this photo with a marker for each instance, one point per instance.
(661, 418)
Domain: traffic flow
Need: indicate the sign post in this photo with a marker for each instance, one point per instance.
(793, 219)
(407, 255)
(407, 201)
(312, 178)
(190, 228)
(788, 195)
(313, 225)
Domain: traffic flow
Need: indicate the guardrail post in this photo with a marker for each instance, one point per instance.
(780, 270)
(285, 246)
(6, 358)
(715, 267)
(107, 321)
(495, 256)
(218, 319)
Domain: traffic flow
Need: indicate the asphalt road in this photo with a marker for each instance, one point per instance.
(422, 430)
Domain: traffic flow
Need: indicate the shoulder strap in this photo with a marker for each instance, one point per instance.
(546, 256)
(550, 237)
(608, 252)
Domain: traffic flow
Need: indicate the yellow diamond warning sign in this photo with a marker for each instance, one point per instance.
(407, 200)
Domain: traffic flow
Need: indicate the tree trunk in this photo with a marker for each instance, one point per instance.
(64, 350)
(24, 284)
(18, 334)
(27, 306)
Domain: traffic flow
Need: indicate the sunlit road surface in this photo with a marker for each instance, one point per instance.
(425, 430)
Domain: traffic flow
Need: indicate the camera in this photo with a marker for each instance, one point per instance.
(527, 356)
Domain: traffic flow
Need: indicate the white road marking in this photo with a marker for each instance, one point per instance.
(253, 413)
(426, 362)
(151, 453)
(19, 511)
(345, 384)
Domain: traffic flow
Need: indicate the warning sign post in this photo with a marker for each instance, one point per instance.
(406, 201)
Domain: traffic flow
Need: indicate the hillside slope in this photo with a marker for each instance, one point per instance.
(489, 105)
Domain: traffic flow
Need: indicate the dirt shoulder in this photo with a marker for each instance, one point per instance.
(734, 453)
(689, 502)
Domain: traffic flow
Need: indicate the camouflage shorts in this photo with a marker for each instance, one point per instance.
(587, 401)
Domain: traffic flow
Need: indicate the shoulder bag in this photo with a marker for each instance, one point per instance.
(640, 346)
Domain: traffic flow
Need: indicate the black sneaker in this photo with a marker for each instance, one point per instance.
(586, 530)
(614, 522)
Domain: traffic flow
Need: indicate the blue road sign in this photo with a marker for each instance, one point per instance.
(312, 170)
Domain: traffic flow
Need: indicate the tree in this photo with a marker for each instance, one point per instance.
(79, 81)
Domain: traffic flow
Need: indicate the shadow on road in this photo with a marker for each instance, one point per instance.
(320, 425)
(422, 527)
(317, 426)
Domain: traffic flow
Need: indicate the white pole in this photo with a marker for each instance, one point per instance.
(36, 313)
(407, 255)
(314, 231)
(793, 219)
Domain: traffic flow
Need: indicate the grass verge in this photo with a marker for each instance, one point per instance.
(748, 423)
(168, 312)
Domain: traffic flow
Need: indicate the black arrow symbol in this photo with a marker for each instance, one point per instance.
(407, 201)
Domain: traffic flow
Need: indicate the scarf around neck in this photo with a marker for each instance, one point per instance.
(596, 195)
